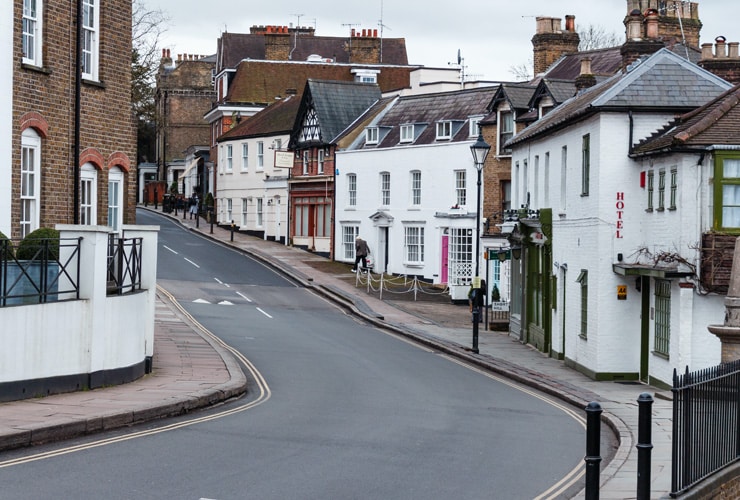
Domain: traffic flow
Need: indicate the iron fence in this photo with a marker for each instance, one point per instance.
(124, 265)
(706, 417)
(51, 273)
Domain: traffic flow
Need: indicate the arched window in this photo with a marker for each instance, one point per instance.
(88, 195)
(30, 180)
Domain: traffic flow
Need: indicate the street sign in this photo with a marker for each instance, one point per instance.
(621, 292)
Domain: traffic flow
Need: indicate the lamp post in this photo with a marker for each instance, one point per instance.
(480, 151)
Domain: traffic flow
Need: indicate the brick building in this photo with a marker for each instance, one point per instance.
(73, 146)
(185, 93)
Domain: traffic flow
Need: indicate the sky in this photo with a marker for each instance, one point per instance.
(491, 36)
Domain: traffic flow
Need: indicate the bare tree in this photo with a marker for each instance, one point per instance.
(147, 28)
(523, 71)
(596, 37)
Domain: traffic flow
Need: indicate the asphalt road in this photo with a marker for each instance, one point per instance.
(337, 410)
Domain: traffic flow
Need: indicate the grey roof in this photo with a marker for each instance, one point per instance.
(426, 110)
(663, 82)
(337, 104)
(517, 95)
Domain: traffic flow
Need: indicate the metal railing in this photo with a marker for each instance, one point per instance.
(124, 265)
(45, 277)
(706, 420)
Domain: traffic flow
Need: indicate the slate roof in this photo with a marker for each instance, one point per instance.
(234, 47)
(662, 82)
(337, 105)
(427, 109)
(277, 118)
(604, 62)
(260, 82)
(715, 123)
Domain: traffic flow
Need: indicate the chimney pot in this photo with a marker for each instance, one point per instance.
(734, 53)
(586, 66)
(651, 16)
(706, 51)
(353, 32)
(375, 33)
(570, 23)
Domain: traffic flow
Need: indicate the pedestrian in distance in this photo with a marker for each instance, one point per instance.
(361, 253)
(194, 205)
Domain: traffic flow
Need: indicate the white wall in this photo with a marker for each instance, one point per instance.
(94, 333)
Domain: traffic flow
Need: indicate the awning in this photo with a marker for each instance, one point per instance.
(193, 164)
(680, 271)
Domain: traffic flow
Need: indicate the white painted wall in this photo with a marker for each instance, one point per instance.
(94, 333)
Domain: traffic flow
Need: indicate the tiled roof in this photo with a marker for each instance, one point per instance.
(277, 118)
(715, 123)
(337, 104)
(517, 95)
(260, 82)
(663, 81)
(235, 47)
(427, 109)
(604, 62)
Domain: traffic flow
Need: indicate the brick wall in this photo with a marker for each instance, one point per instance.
(106, 121)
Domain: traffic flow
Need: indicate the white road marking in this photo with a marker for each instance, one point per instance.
(218, 281)
(193, 263)
(263, 312)
(201, 301)
(168, 248)
(227, 285)
(244, 297)
(225, 303)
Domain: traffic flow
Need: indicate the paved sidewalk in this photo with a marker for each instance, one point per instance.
(189, 371)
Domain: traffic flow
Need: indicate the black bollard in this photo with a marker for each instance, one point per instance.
(644, 445)
(156, 201)
(232, 229)
(593, 450)
(476, 318)
(213, 216)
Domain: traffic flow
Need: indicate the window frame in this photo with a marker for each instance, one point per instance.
(461, 188)
(385, 188)
(352, 190)
(661, 190)
(321, 161)
(371, 135)
(674, 188)
(260, 212)
(444, 130)
(662, 325)
(585, 164)
(349, 233)
(34, 20)
(474, 125)
(229, 158)
(260, 155)
(305, 161)
(245, 212)
(245, 157)
(30, 189)
(415, 187)
(583, 280)
(505, 130)
(229, 210)
(88, 195)
(115, 199)
(721, 182)
(90, 39)
(413, 243)
(650, 190)
(406, 133)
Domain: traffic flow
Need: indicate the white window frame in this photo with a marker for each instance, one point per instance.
(30, 181)
(32, 32)
(444, 130)
(260, 155)
(505, 130)
(407, 133)
(461, 188)
(91, 39)
(88, 195)
(245, 206)
(474, 125)
(229, 158)
(352, 190)
(229, 210)
(349, 233)
(385, 188)
(305, 162)
(415, 187)
(260, 207)
(115, 199)
(245, 157)
(371, 135)
(413, 242)
(321, 161)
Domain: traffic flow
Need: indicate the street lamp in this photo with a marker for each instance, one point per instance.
(480, 151)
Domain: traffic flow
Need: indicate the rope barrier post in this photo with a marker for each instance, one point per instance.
(381, 286)
(416, 289)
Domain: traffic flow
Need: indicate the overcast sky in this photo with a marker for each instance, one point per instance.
(491, 35)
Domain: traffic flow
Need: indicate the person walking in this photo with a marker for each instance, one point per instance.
(194, 205)
(361, 253)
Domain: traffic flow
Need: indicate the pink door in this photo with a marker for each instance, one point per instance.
(445, 261)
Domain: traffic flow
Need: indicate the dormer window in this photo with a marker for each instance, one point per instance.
(407, 133)
(371, 135)
(366, 75)
(444, 130)
(474, 126)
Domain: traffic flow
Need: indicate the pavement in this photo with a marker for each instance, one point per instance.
(192, 370)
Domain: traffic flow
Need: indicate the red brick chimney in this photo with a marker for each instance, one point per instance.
(550, 41)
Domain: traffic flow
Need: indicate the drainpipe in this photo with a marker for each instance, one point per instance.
(632, 127)
(78, 92)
